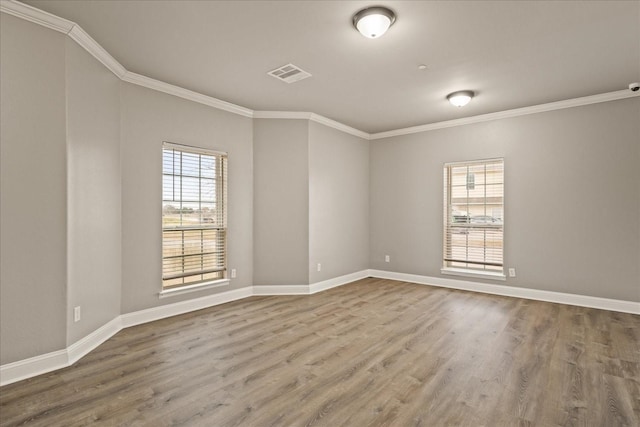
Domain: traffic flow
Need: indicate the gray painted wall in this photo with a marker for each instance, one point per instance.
(93, 192)
(33, 203)
(572, 194)
(281, 202)
(147, 119)
(572, 209)
(338, 203)
(311, 202)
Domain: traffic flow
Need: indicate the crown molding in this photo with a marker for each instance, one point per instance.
(304, 115)
(294, 115)
(87, 42)
(340, 126)
(84, 40)
(541, 108)
(73, 30)
(37, 16)
(180, 92)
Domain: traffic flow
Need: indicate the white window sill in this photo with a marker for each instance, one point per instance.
(193, 288)
(473, 273)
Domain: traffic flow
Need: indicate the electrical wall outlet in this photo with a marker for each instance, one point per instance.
(512, 272)
(76, 314)
(233, 273)
(319, 266)
(387, 258)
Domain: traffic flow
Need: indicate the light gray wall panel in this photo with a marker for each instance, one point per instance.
(148, 119)
(281, 202)
(33, 204)
(93, 157)
(572, 210)
(338, 203)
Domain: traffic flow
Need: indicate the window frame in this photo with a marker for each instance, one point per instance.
(447, 247)
(220, 225)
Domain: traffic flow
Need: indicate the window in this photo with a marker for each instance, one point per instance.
(474, 218)
(194, 216)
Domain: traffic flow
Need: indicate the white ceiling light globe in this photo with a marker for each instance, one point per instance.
(461, 98)
(373, 26)
(373, 22)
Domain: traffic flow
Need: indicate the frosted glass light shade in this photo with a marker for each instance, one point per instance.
(461, 98)
(373, 26)
(374, 21)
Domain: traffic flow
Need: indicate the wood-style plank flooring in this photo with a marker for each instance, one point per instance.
(371, 353)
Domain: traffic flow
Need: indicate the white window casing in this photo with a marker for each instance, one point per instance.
(473, 238)
(194, 217)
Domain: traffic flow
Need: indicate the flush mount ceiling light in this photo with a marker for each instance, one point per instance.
(460, 98)
(373, 22)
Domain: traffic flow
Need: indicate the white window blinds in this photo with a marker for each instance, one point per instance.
(194, 216)
(474, 215)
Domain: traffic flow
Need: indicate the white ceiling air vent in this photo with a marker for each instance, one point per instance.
(289, 73)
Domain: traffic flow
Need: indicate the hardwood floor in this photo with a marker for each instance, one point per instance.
(371, 353)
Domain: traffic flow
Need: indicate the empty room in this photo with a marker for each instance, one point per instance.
(319, 213)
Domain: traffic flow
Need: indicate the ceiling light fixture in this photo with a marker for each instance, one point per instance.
(373, 22)
(460, 98)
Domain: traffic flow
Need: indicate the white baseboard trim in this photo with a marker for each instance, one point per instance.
(38, 365)
(309, 289)
(85, 345)
(337, 281)
(510, 291)
(168, 310)
(266, 290)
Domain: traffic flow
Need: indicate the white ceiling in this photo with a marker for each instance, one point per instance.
(512, 53)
